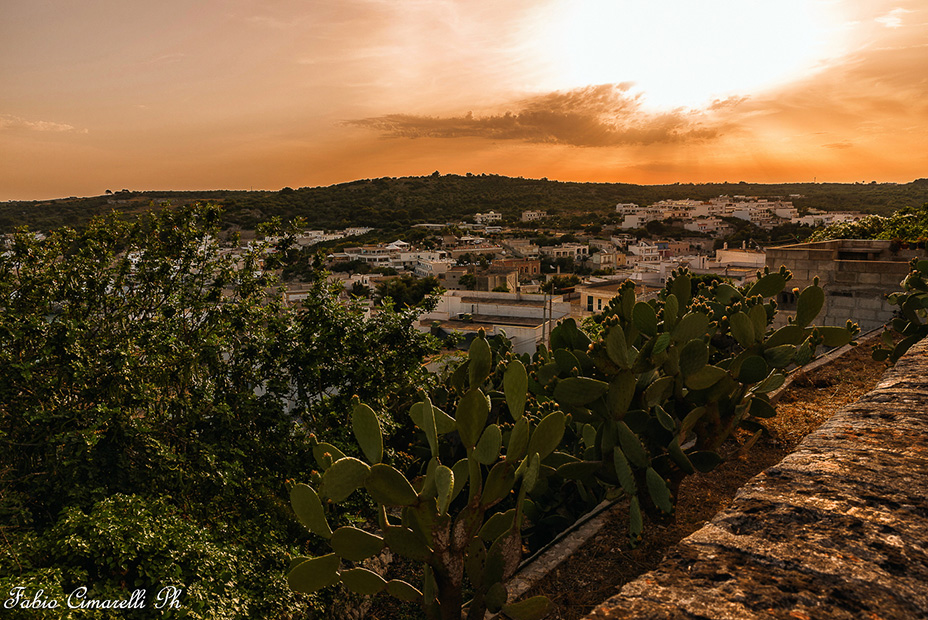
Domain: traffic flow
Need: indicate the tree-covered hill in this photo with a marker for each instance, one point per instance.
(400, 202)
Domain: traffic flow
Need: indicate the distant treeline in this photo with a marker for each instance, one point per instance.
(398, 203)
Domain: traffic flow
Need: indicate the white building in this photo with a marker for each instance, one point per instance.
(532, 216)
(486, 218)
(525, 319)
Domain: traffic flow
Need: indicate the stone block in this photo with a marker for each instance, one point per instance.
(841, 302)
(868, 278)
(845, 277)
(892, 279)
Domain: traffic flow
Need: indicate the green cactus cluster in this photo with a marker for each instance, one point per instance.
(911, 320)
(457, 535)
(670, 379)
(536, 441)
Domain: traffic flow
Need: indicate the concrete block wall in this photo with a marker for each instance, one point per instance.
(854, 288)
(837, 530)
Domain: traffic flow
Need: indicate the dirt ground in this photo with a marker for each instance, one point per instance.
(605, 563)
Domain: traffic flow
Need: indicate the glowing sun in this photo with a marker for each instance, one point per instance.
(684, 53)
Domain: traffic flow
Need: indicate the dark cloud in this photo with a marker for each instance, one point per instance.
(595, 116)
(838, 145)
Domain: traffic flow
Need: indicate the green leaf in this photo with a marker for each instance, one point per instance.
(659, 491)
(705, 460)
(788, 334)
(497, 525)
(579, 390)
(835, 336)
(444, 423)
(753, 369)
(496, 597)
(616, 348)
(579, 470)
(644, 318)
(518, 440)
(407, 543)
(665, 418)
(671, 310)
(682, 289)
(343, 478)
(761, 408)
(693, 357)
(758, 317)
(635, 523)
(726, 293)
(389, 487)
(770, 383)
(624, 472)
(363, 581)
(429, 427)
(679, 457)
(314, 574)
(661, 343)
(621, 392)
(565, 360)
(809, 304)
(547, 434)
(705, 378)
(308, 509)
(444, 482)
(530, 473)
(742, 329)
(366, 429)
(403, 591)
(320, 450)
(768, 285)
(693, 325)
(481, 361)
(471, 416)
(355, 544)
(515, 387)
(461, 473)
(631, 445)
(780, 356)
(534, 608)
(499, 482)
(487, 450)
(658, 391)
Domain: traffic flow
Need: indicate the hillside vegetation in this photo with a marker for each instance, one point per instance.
(400, 202)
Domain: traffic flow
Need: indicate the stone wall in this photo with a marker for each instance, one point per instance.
(838, 529)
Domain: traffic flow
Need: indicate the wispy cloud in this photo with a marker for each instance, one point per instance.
(893, 19)
(595, 116)
(8, 122)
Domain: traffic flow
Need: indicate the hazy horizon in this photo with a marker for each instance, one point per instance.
(243, 95)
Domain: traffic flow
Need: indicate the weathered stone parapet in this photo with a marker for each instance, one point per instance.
(838, 529)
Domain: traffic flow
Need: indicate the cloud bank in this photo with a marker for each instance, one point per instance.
(8, 121)
(594, 116)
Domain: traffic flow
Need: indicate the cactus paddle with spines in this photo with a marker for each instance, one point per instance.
(430, 520)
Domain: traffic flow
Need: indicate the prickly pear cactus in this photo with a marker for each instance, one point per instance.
(444, 518)
(669, 380)
(911, 320)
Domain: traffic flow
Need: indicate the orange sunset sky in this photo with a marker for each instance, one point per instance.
(241, 94)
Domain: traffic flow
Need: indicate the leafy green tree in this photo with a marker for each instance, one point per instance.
(408, 291)
(156, 394)
(468, 281)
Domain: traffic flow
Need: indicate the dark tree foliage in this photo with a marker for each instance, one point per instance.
(155, 394)
(407, 291)
(394, 204)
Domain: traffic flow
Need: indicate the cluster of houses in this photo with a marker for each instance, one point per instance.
(706, 215)
(493, 276)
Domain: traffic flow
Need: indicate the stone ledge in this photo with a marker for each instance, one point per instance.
(838, 529)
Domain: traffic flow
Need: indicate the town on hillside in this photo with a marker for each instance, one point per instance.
(521, 277)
